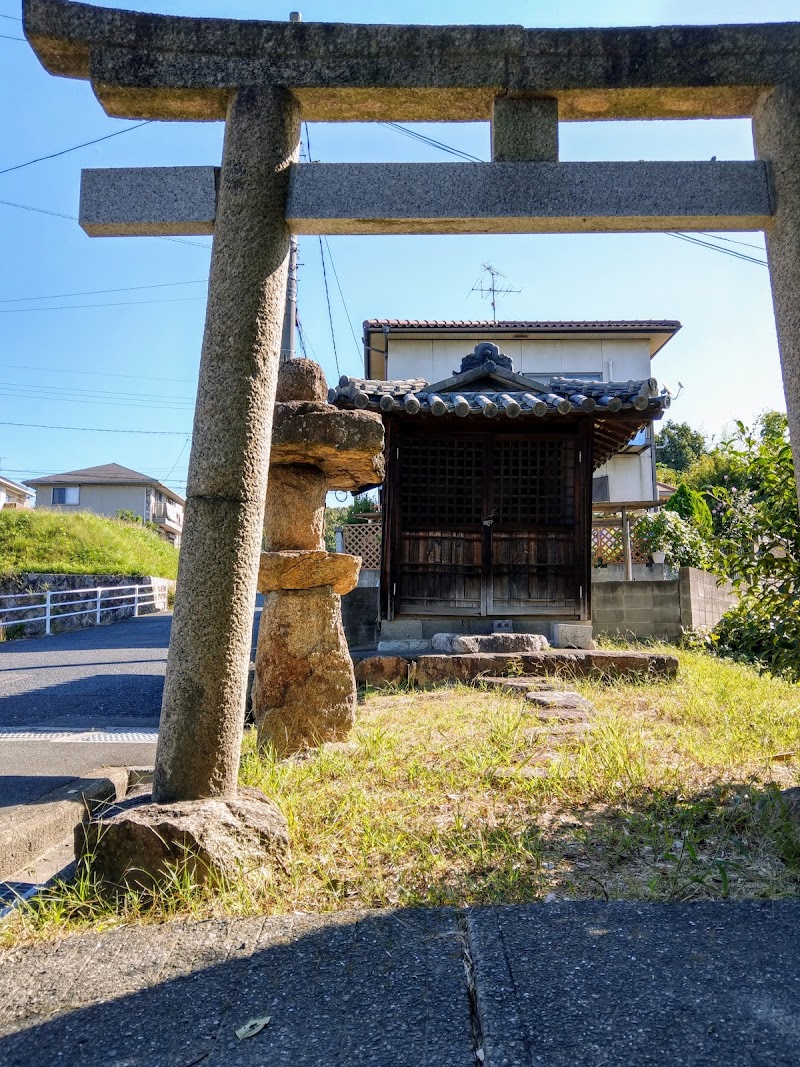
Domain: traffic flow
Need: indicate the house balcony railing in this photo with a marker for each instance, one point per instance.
(165, 515)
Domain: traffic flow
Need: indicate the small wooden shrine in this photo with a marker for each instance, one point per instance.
(487, 500)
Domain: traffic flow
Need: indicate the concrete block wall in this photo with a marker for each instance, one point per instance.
(660, 610)
(703, 602)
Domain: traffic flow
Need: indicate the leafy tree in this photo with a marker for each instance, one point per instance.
(690, 505)
(678, 445)
(759, 545)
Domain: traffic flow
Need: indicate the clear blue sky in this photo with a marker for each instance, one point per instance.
(57, 363)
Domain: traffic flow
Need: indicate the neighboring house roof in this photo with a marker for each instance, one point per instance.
(660, 330)
(105, 474)
(15, 486)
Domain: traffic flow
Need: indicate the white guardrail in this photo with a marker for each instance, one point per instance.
(93, 601)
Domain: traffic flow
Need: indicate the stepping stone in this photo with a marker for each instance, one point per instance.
(514, 685)
(561, 729)
(560, 714)
(560, 700)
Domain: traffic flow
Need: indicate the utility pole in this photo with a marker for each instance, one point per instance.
(290, 314)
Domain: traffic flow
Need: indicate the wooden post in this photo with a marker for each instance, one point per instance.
(626, 546)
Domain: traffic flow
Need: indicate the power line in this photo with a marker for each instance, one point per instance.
(11, 18)
(112, 394)
(431, 141)
(21, 40)
(98, 292)
(341, 294)
(731, 241)
(717, 248)
(96, 373)
(74, 218)
(110, 304)
(175, 464)
(95, 429)
(74, 148)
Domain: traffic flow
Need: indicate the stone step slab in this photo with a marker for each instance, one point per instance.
(559, 729)
(514, 685)
(560, 701)
(460, 644)
(560, 714)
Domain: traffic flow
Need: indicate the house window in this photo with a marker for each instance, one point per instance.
(68, 494)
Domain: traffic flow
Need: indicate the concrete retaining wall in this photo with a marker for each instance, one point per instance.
(16, 585)
(661, 609)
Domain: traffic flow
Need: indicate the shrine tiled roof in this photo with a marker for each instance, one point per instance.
(488, 387)
(564, 396)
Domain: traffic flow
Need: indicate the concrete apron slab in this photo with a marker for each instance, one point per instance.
(694, 985)
(365, 989)
(29, 830)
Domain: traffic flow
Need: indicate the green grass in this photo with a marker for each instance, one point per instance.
(82, 543)
(674, 795)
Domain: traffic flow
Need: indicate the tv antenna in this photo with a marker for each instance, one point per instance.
(488, 287)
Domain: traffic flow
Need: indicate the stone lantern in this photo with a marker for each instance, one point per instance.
(304, 692)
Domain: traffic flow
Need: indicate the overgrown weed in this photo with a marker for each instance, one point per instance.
(454, 797)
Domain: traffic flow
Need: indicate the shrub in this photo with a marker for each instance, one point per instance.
(690, 505)
(681, 542)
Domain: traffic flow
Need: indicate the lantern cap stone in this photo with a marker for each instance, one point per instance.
(347, 446)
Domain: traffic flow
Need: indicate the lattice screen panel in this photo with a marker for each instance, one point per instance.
(441, 482)
(607, 545)
(364, 540)
(534, 483)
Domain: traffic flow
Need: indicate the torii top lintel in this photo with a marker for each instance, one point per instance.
(173, 67)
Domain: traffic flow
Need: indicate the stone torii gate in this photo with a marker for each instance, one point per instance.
(261, 78)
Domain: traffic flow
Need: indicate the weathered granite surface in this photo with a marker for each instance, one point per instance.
(157, 66)
(524, 128)
(776, 132)
(294, 516)
(304, 691)
(218, 838)
(140, 201)
(305, 570)
(459, 644)
(382, 198)
(347, 446)
(204, 691)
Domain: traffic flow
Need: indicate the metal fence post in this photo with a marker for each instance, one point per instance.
(47, 604)
(136, 601)
(97, 613)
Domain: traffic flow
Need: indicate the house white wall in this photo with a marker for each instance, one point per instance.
(630, 476)
(100, 499)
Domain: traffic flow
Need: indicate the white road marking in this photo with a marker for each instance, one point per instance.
(82, 737)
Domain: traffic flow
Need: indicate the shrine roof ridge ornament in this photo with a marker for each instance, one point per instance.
(143, 65)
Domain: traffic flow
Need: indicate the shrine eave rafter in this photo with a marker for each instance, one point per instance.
(143, 65)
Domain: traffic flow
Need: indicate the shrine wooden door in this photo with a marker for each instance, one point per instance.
(488, 524)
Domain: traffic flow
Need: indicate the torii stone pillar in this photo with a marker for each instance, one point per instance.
(204, 695)
(776, 133)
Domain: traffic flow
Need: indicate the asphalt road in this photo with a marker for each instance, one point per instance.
(76, 701)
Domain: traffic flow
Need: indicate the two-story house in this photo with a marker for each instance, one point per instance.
(14, 495)
(109, 489)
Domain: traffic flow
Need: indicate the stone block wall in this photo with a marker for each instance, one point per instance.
(16, 585)
(660, 610)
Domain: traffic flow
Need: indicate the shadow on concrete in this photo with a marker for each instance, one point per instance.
(95, 700)
(361, 990)
(30, 788)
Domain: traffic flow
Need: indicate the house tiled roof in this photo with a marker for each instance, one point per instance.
(558, 326)
(104, 474)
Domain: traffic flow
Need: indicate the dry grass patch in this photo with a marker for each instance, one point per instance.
(455, 797)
